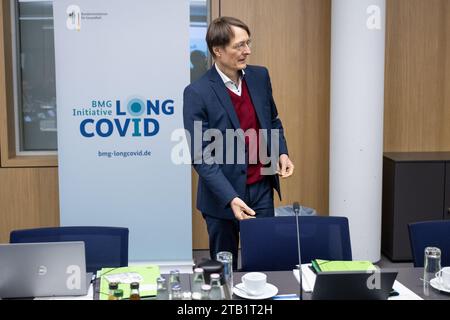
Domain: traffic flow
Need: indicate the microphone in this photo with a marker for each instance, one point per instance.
(296, 208)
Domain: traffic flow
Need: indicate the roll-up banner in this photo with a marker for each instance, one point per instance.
(121, 67)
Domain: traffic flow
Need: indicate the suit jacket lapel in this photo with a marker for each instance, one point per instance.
(255, 94)
(224, 98)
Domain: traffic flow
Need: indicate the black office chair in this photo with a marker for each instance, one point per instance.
(430, 234)
(270, 244)
(105, 246)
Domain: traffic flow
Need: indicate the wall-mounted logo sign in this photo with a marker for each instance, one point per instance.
(374, 19)
(73, 21)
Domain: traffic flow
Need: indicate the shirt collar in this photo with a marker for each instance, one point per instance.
(225, 78)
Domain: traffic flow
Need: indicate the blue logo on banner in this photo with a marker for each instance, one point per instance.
(136, 118)
(136, 107)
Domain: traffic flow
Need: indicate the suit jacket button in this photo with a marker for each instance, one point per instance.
(243, 171)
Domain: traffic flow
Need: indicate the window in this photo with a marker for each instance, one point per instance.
(34, 76)
(199, 50)
(33, 64)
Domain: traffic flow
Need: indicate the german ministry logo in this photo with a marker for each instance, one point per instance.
(73, 18)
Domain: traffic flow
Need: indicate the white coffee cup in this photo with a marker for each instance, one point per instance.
(444, 277)
(254, 283)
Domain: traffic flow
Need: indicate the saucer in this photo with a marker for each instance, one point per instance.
(269, 292)
(435, 283)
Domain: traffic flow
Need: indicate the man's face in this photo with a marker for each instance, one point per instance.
(234, 55)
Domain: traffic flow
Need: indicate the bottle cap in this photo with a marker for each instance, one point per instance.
(118, 293)
(176, 287)
(113, 285)
(206, 287)
(209, 267)
(134, 285)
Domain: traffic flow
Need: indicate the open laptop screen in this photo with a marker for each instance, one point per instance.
(42, 269)
(354, 285)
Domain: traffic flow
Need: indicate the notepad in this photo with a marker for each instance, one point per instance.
(339, 266)
(145, 275)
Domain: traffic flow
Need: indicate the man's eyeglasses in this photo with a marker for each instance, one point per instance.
(241, 45)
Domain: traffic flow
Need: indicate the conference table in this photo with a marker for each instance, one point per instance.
(288, 285)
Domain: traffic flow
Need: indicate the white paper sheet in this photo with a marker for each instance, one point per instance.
(308, 277)
(404, 293)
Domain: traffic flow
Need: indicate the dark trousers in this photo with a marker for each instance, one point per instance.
(224, 233)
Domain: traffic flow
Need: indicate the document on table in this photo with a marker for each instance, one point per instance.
(403, 293)
(308, 277)
(146, 275)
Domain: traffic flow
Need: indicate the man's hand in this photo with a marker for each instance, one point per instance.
(241, 210)
(285, 166)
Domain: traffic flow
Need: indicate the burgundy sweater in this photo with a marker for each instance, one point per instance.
(245, 111)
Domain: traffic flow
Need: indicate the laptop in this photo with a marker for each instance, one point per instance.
(43, 269)
(353, 285)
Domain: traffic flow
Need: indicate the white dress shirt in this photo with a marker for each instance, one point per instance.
(230, 84)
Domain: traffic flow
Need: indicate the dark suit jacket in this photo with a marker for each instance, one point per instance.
(208, 101)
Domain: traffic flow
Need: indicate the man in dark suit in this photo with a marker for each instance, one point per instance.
(233, 96)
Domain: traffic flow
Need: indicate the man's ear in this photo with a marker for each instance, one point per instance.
(217, 51)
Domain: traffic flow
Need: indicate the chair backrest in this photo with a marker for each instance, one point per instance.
(270, 244)
(288, 211)
(430, 234)
(105, 246)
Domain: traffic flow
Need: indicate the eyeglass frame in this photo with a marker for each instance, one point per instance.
(241, 45)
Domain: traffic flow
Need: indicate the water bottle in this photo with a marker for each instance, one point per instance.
(197, 282)
(206, 291)
(162, 293)
(216, 288)
(176, 292)
(174, 279)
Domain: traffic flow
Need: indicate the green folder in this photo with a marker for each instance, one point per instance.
(336, 266)
(147, 284)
